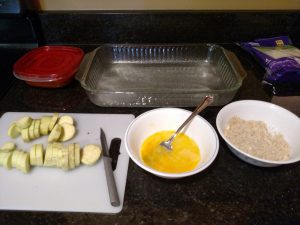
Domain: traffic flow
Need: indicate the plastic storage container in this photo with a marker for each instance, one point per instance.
(152, 75)
(49, 66)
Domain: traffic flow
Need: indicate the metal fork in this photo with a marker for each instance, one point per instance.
(206, 102)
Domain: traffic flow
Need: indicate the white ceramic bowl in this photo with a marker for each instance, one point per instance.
(161, 119)
(277, 119)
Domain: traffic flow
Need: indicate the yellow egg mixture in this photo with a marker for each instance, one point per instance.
(184, 156)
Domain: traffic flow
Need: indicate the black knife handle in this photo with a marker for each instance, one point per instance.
(111, 183)
(114, 152)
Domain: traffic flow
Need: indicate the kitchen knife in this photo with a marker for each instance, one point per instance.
(111, 184)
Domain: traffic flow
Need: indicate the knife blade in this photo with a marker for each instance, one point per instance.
(110, 179)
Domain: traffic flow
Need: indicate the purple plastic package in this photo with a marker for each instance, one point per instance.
(281, 61)
(273, 42)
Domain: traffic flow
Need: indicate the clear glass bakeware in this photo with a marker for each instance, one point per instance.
(159, 75)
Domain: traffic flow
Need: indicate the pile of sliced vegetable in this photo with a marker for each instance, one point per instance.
(59, 128)
(56, 154)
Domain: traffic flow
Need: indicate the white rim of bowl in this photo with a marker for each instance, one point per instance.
(239, 150)
(172, 175)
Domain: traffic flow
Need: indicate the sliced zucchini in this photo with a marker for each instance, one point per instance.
(8, 146)
(45, 122)
(77, 154)
(18, 162)
(31, 130)
(48, 155)
(56, 147)
(59, 158)
(24, 122)
(32, 156)
(66, 119)
(71, 159)
(13, 131)
(90, 154)
(25, 134)
(39, 154)
(24, 162)
(68, 132)
(14, 158)
(2, 156)
(55, 133)
(6, 160)
(65, 159)
(54, 119)
(36, 130)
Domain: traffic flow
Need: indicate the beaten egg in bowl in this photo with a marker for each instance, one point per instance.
(184, 156)
(169, 119)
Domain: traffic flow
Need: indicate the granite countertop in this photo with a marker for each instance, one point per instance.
(228, 192)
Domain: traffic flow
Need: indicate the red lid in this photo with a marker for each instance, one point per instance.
(48, 63)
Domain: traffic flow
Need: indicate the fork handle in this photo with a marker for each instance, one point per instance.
(206, 102)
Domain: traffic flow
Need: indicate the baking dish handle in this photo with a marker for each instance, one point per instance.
(236, 64)
(85, 66)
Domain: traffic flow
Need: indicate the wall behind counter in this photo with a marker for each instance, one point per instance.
(168, 5)
(98, 27)
(94, 22)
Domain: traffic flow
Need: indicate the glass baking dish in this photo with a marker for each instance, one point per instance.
(159, 75)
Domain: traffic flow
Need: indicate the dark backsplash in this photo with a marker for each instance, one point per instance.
(16, 30)
(97, 27)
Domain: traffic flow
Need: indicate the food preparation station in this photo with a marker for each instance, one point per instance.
(230, 191)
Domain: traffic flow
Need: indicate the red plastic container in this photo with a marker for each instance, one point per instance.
(49, 66)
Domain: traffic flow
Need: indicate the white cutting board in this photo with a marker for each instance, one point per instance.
(83, 189)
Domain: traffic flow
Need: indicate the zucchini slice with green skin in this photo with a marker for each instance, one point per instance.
(8, 146)
(39, 154)
(45, 122)
(24, 122)
(36, 130)
(32, 156)
(14, 158)
(18, 159)
(31, 130)
(53, 121)
(2, 156)
(55, 133)
(25, 135)
(71, 149)
(7, 160)
(13, 131)
(48, 155)
(90, 154)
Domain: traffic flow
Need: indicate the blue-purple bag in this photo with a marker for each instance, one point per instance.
(281, 61)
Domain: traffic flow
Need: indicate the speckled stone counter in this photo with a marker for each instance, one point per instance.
(228, 192)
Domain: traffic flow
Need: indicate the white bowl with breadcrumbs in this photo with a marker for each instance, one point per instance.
(260, 133)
